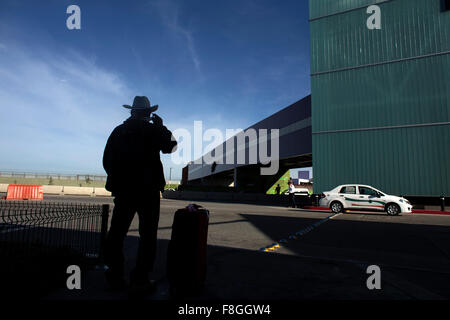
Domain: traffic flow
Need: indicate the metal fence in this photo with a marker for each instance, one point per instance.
(59, 176)
(26, 226)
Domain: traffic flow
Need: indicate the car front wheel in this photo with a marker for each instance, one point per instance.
(393, 209)
(336, 207)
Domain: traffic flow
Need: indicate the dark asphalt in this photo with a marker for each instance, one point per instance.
(327, 262)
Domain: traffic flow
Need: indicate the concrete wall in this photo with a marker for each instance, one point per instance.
(82, 191)
(73, 191)
(65, 190)
(58, 190)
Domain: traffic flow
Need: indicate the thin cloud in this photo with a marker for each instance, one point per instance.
(169, 12)
(58, 110)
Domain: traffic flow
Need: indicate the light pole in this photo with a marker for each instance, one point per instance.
(170, 175)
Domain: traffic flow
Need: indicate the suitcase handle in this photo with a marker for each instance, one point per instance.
(193, 207)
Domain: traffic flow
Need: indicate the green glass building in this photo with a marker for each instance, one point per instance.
(381, 97)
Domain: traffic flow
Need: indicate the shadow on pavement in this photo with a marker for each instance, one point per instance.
(238, 274)
(211, 224)
(328, 262)
(414, 256)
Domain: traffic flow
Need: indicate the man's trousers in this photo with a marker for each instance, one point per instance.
(125, 207)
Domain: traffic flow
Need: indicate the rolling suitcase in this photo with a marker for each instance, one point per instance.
(186, 255)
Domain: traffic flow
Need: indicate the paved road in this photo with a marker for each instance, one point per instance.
(326, 262)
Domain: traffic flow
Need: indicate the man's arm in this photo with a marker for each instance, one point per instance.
(168, 143)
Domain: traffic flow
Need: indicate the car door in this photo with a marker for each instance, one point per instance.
(369, 199)
(347, 194)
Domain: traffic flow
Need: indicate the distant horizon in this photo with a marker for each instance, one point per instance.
(293, 171)
(39, 171)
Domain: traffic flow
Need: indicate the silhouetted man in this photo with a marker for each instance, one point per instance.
(135, 178)
(277, 189)
(292, 195)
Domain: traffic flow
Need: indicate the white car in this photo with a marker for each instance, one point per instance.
(299, 191)
(362, 197)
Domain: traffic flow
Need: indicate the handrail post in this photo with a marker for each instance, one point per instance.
(104, 230)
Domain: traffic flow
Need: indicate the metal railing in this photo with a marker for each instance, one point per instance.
(59, 176)
(27, 226)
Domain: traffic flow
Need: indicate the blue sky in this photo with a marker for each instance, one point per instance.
(226, 63)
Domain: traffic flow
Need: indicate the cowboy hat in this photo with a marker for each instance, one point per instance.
(141, 103)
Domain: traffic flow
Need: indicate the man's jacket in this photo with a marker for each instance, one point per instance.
(131, 158)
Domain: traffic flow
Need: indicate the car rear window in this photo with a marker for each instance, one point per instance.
(348, 190)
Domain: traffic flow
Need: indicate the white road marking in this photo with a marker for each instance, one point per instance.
(301, 232)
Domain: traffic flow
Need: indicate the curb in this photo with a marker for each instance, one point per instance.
(316, 208)
(431, 212)
(413, 212)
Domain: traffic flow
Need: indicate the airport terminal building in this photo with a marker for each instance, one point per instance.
(294, 125)
(379, 110)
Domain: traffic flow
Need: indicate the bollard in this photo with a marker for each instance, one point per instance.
(442, 203)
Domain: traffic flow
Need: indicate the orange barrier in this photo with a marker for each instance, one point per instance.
(25, 192)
